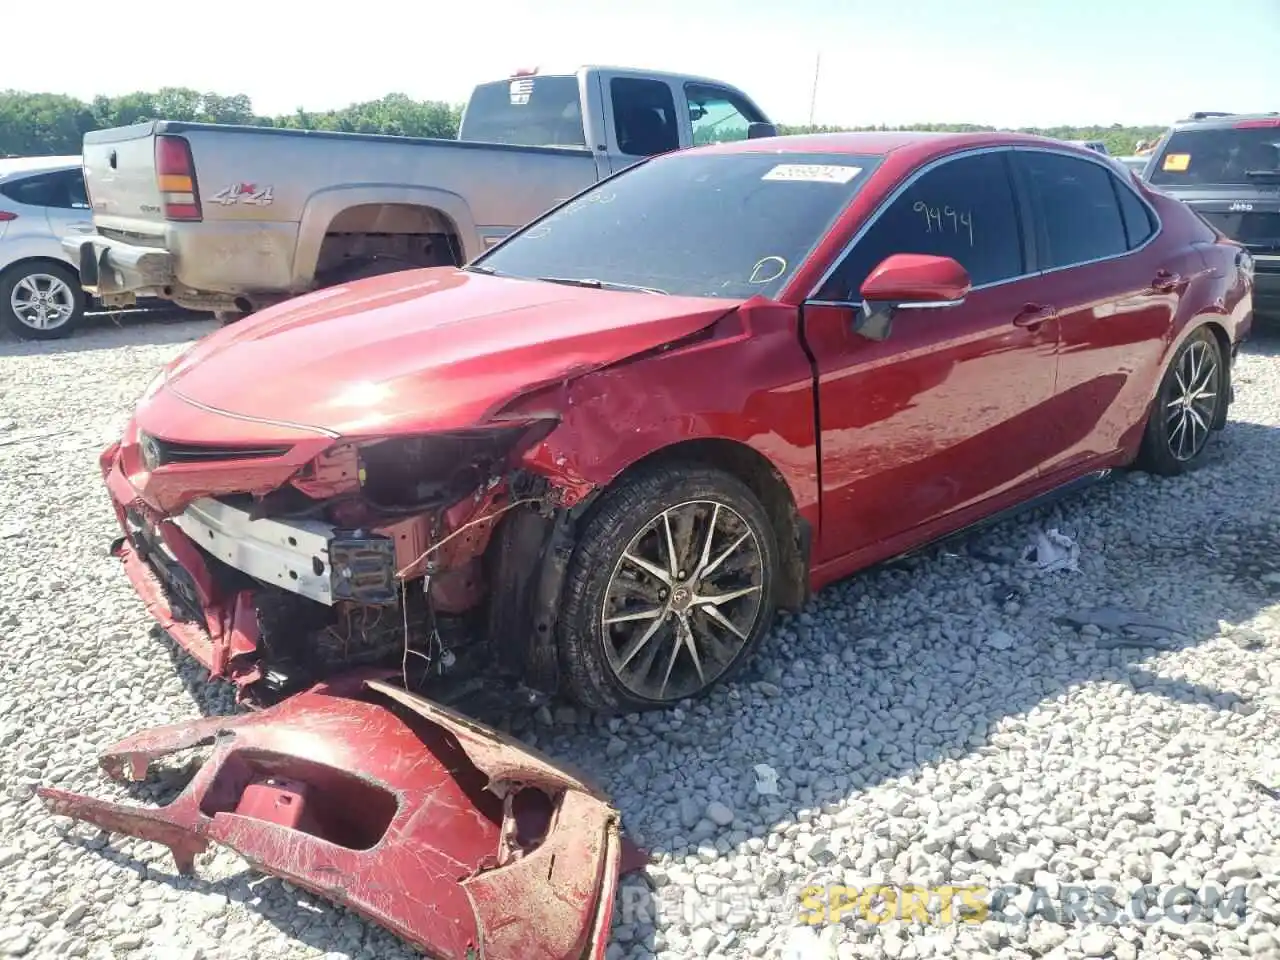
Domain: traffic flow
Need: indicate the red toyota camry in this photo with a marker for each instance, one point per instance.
(599, 457)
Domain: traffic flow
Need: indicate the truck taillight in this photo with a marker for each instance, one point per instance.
(176, 178)
(1257, 124)
(6, 216)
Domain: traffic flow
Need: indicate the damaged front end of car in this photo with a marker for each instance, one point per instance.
(439, 554)
(451, 835)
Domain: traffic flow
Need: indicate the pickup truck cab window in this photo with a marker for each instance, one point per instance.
(1077, 209)
(644, 116)
(701, 225)
(963, 208)
(534, 111)
(718, 115)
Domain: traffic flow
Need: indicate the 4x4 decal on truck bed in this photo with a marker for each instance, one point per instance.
(246, 193)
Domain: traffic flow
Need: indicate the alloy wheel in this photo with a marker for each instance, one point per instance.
(1193, 403)
(683, 600)
(42, 301)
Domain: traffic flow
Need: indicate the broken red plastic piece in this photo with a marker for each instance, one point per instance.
(461, 841)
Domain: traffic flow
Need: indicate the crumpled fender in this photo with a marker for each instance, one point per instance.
(453, 836)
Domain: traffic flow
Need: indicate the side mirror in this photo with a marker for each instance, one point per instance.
(908, 281)
(757, 130)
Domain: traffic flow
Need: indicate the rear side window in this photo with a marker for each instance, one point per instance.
(63, 190)
(1078, 214)
(644, 116)
(1139, 224)
(1223, 155)
(526, 112)
(963, 209)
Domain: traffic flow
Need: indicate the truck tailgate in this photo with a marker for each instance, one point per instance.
(120, 172)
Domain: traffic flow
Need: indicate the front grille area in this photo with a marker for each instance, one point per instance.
(160, 453)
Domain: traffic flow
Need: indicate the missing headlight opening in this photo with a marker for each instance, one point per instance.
(412, 553)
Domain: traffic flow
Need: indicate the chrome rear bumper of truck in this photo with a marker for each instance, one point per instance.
(113, 268)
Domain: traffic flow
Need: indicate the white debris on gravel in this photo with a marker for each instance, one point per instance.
(929, 725)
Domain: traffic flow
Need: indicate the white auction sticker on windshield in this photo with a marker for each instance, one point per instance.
(813, 172)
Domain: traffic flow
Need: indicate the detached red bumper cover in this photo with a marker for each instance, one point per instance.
(453, 836)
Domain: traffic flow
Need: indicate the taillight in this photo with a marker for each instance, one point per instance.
(1258, 124)
(176, 178)
(6, 216)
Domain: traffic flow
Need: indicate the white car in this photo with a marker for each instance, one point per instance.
(42, 200)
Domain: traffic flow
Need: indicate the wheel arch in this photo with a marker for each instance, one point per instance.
(753, 468)
(38, 259)
(325, 208)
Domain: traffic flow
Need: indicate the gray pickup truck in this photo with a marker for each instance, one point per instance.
(230, 219)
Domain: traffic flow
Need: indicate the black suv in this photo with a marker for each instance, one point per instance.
(1226, 167)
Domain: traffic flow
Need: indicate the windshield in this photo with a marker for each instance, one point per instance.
(692, 224)
(1219, 156)
(526, 112)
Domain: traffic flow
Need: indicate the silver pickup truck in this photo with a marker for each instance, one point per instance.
(230, 219)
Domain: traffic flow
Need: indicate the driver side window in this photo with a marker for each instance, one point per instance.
(963, 209)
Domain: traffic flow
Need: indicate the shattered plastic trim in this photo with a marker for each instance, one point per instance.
(402, 810)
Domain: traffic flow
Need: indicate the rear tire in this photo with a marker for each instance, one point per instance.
(634, 637)
(1190, 404)
(40, 300)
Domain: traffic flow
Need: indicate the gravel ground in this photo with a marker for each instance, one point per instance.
(931, 724)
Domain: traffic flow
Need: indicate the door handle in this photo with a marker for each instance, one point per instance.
(1032, 315)
(1166, 281)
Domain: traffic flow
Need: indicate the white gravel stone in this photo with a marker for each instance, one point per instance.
(929, 724)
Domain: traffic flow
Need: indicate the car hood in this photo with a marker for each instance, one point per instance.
(432, 349)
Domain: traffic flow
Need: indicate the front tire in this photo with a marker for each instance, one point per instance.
(1189, 405)
(40, 300)
(669, 591)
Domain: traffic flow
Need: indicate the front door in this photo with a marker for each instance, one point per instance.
(943, 414)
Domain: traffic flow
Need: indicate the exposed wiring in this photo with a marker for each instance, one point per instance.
(426, 587)
(400, 574)
(404, 658)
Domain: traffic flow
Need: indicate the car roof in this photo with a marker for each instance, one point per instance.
(1208, 120)
(923, 145)
(13, 166)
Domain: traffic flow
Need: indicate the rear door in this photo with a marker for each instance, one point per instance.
(1115, 292)
(49, 204)
(946, 412)
(68, 213)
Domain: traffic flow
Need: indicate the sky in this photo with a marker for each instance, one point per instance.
(1012, 63)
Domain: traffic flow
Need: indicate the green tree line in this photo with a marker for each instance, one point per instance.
(51, 124)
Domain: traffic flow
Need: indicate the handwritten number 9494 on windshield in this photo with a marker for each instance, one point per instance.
(946, 220)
